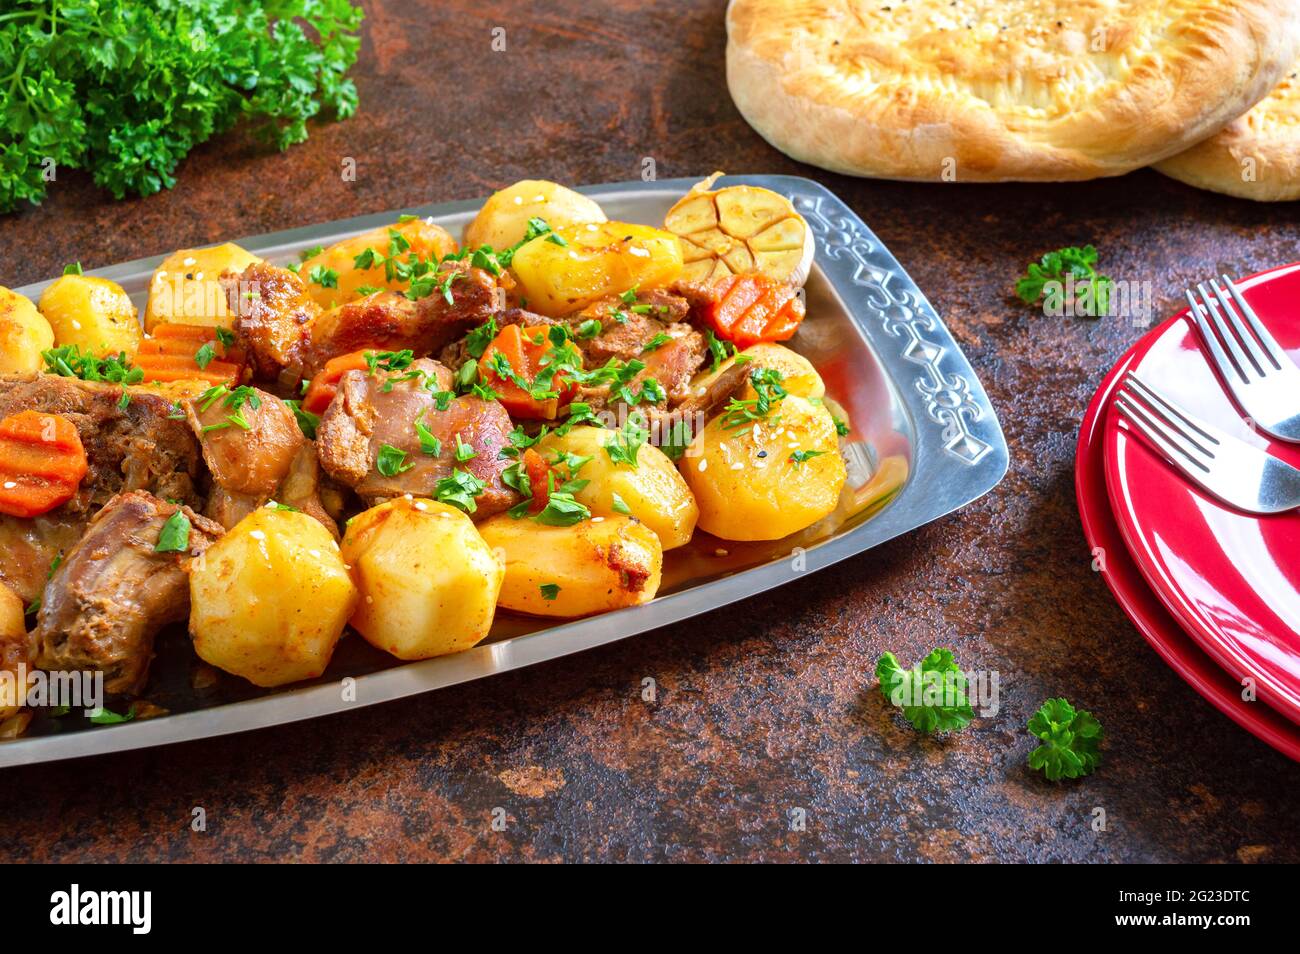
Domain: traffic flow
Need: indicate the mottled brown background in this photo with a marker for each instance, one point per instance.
(767, 705)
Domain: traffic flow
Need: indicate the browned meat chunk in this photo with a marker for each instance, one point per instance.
(28, 547)
(368, 416)
(273, 318)
(648, 330)
(392, 322)
(139, 447)
(114, 591)
(255, 453)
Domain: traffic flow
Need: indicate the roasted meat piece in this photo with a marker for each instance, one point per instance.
(140, 447)
(648, 329)
(393, 322)
(289, 337)
(29, 546)
(367, 415)
(255, 453)
(273, 318)
(114, 591)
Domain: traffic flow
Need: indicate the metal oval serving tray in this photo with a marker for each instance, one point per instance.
(924, 442)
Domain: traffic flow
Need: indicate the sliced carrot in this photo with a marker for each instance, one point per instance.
(170, 354)
(523, 349)
(538, 471)
(748, 309)
(42, 462)
(325, 384)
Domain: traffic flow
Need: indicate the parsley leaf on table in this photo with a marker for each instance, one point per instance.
(1079, 263)
(125, 89)
(1070, 741)
(932, 694)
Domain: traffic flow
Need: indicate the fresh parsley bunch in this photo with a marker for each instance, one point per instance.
(1081, 263)
(1071, 740)
(932, 694)
(126, 88)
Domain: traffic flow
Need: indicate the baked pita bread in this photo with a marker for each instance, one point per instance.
(1256, 156)
(974, 90)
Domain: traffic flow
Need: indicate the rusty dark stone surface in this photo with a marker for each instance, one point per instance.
(766, 706)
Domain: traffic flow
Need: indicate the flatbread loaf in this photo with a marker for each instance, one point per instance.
(995, 90)
(1255, 157)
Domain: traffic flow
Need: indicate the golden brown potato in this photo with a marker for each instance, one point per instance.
(503, 220)
(597, 565)
(652, 491)
(92, 313)
(798, 376)
(269, 600)
(745, 496)
(332, 276)
(185, 290)
(428, 582)
(594, 261)
(24, 334)
(13, 653)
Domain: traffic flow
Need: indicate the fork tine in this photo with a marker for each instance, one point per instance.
(1248, 343)
(1265, 337)
(1227, 337)
(1221, 360)
(1151, 396)
(1172, 421)
(1152, 431)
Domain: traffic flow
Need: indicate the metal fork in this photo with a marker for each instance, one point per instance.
(1263, 379)
(1228, 468)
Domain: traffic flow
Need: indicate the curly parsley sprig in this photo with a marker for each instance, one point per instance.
(932, 694)
(125, 89)
(1070, 741)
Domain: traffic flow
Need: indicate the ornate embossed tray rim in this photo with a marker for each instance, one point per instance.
(957, 454)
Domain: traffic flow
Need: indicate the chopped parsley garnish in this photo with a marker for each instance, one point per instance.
(73, 269)
(464, 451)
(719, 349)
(175, 534)
(226, 337)
(324, 277)
(70, 362)
(477, 341)
(767, 386)
(657, 342)
(391, 461)
(102, 716)
(307, 421)
(1077, 263)
(590, 328)
(549, 590)
(623, 445)
(800, 456)
(388, 361)
(459, 490)
(620, 505)
(429, 444)
(562, 510)
(203, 357)
(841, 427)
(310, 252)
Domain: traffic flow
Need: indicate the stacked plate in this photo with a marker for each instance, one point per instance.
(1215, 590)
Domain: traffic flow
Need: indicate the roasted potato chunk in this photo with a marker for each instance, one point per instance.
(269, 600)
(652, 491)
(24, 334)
(92, 313)
(563, 273)
(503, 220)
(332, 275)
(428, 582)
(185, 290)
(594, 566)
(767, 479)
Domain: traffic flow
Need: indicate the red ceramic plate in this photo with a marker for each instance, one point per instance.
(1231, 579)
(1146, 611)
